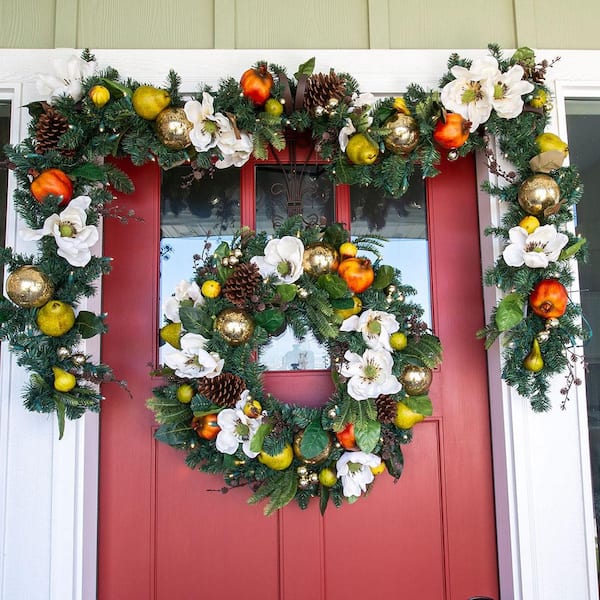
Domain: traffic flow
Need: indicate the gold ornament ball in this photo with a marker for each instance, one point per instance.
(404, 134)
(173, 128)
(315, 459)
(319, 259)
(28, 287)
(415, 380)
(235, 326)
(538, 193)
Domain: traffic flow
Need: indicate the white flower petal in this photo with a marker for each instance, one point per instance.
(513, 255)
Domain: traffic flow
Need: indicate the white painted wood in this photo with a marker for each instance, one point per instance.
(541, 462)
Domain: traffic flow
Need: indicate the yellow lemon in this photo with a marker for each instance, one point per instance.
(280, 461)
(99, 95)
(327, 477)
(185, 393)
(380, 468)
(398, 340)
(344, 313)
(273, 107)
(170, 333)
(55, 318)
(149, 102)
(63, 380)
(348, 250)
(361, 150)
(529, 223)
(406, 417)
(211, 288)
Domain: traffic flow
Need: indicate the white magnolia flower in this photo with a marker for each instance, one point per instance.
(73, 237)
(236, 146)
(345, 132)
(206, 123)
(354, 469)
(67, 78)
(537, 249)
(184, 291)
(282, 259)
(508, 89)
(370, 374)
(236, 429)
(472, 92)
(376, 327)
(193, 360)
(365, 99)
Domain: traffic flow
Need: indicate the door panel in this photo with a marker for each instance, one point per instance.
(167, 532)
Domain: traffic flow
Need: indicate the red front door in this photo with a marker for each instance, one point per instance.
(167, 533)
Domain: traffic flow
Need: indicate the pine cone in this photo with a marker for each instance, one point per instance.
(323, 92)
(241, 285)
(224, 389)
(386, 408)
(50, 127)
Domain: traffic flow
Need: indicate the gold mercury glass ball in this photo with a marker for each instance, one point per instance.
(538, 193)
(28, 287)
(235, 326)
(404, 134)
(415, 380)
(173, 128)
(319, 259)
(315, 459)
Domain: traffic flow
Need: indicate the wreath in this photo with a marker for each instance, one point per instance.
(382, 355)
(495, 104)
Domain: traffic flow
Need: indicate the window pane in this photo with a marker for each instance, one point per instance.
(403, 223)
(4, 139)
(196, 214)
(282, 191)
(583, 123)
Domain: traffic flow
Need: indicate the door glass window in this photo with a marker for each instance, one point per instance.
(196, 214)
(403, 223)
(583, 124)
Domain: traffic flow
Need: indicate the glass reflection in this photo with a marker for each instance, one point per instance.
(197, 213)
(403, 223)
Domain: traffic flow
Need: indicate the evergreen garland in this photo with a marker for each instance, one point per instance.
(112, 127)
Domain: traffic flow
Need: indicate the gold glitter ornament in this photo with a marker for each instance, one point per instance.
(315, 459)
(319, 259)
(415, 380)
(173, 128)
(538, 193)
(28, 287)
(235, 326)
(404, 134)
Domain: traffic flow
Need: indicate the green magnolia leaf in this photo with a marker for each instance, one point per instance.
(367, 434)
(36, 109)
(573, 249)
(324, 498)
(314, 440)
(341, 303)
(90, 171)
(173, 434)
(117, 90)
(333, 284)
(194, 320)
(286, 291)
(89, 324)
(60, 415)
(259, 437)
(222, 250)
(385, 276)
(271, 320)
(306, 68)
(509, 312)
(420, 404)
(209, 411)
